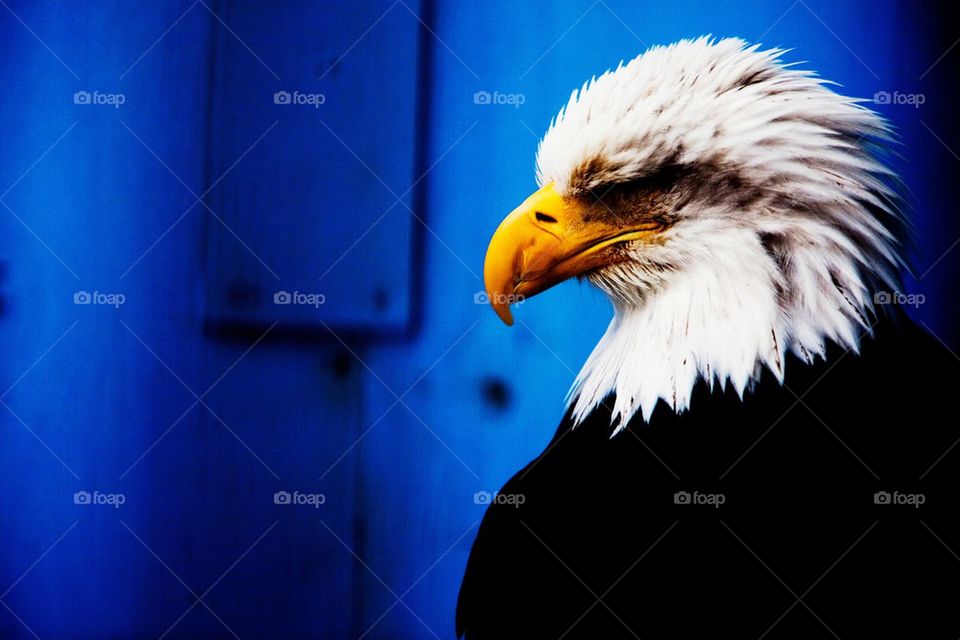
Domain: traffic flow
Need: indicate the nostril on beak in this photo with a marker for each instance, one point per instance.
(542, 217)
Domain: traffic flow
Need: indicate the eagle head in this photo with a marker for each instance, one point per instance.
(733, 208)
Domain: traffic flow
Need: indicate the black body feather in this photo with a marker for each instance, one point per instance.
(599, 548)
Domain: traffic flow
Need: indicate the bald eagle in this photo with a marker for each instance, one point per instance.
(755, 436)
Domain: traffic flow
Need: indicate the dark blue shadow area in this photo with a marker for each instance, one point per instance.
(248, 386)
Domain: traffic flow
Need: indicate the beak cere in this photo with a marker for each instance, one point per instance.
(545, 241)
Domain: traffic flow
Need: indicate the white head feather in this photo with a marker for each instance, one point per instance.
(782, 220)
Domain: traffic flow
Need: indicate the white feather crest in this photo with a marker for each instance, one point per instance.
(733, 286)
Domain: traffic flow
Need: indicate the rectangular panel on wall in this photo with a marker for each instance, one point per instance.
(312, 144)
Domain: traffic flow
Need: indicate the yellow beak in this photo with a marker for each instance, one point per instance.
(546, 240)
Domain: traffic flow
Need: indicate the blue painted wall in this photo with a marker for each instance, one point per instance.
(197, 399)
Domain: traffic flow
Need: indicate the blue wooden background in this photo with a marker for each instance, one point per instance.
(198, 401)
